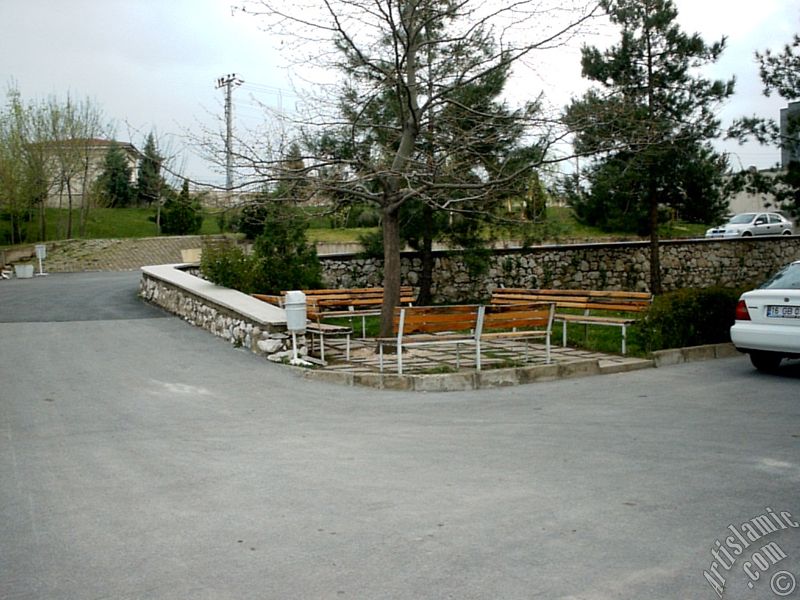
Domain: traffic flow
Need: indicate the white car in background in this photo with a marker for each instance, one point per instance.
(747, 224)
(767, 323)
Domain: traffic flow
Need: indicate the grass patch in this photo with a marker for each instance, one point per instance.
(372, 323)
(102, 223)
(600, 338)
(338, 236)
(108, 223)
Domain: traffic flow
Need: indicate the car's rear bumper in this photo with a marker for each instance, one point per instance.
(785, 339)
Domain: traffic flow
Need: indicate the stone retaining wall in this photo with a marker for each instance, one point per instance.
(617, 266)
(237, 328)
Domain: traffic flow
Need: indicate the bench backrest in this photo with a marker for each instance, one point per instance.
(270, 298)
(500, 317)
(577, 299)
(344, 299)
(435, 319)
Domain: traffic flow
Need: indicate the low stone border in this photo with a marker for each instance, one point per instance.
(231, 315)
(457, 382)
(677, 356)
(474, 380)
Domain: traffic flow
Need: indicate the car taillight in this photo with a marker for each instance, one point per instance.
(741, 311)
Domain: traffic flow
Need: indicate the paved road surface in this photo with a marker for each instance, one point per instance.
(143, 458)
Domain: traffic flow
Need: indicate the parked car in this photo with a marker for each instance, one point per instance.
(755, 223)
(767, 323)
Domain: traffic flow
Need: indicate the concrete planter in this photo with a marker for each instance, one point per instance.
(23, 271)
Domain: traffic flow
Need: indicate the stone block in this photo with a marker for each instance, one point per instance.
(580, 368)
(533, 373)
(335, 377)
(666, 358)
(385, 381)
(493, 378)
(444, 382)
(697, 353)
(608, 367)
(726, 351)
(269, 346)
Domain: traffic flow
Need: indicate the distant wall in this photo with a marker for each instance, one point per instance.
(621, 266)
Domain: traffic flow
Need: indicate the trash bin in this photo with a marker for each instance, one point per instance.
(295, 305)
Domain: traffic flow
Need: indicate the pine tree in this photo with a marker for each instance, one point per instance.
(149, 183)
(780, 73)
(181, 214)
(406, 61)
(115, 181)
(649, 109)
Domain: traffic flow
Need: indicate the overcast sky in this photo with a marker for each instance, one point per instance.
(153, 64)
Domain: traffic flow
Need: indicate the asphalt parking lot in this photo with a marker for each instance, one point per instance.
(143, 458)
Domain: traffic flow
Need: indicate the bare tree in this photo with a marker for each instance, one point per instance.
(71, 130)
(401, 67)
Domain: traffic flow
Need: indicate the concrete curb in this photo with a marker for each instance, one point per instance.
(677, 356)
(496, 378)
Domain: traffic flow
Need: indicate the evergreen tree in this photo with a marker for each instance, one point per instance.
(114, 183)
(466, 159)
(281, 260)
(649, 110)
(149, 184)
(780, 73)
(181, 214)
(406, 62)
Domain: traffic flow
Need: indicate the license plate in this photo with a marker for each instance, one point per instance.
(783, 312)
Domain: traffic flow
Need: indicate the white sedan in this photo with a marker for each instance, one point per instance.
(748, 224)
(767, 323)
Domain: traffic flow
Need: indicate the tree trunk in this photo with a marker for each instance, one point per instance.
(43, 219)
(391, 269)
(85, 199)
(69, 210)
(655, 255)
(426, 255)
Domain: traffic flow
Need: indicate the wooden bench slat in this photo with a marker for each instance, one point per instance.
(587, 301)
(418, 326)
(594, 319)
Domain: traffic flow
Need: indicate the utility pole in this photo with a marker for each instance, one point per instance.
(229, 81)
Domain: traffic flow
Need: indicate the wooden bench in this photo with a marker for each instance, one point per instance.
(345, 302)
(587, 301)
(351, 302)
(417, 326)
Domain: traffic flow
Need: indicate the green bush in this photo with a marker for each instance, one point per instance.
(281, 258)
(688, 317)
(225, 263)
(181, 214)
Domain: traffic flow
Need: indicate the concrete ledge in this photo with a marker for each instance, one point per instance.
(726, 351)
(337, 377)
(536, 373)
(242, 304)
(677, 356)
(496, 378)
(444, 382)
(608, 367)
(581, 368)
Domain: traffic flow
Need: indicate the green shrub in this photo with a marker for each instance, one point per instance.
(181, 214)
(281, 257)
(225, 263)
(688, 317)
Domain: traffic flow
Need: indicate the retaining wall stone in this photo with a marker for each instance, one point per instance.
(607, 266)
